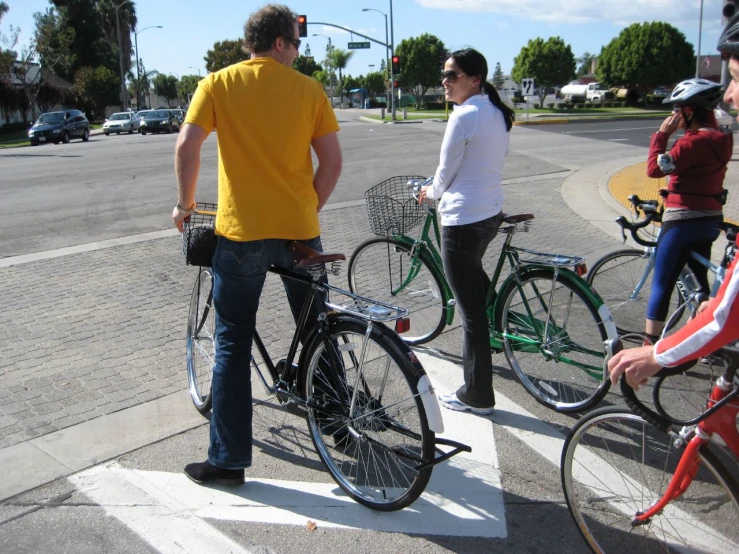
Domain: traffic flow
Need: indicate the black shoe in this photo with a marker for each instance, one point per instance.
(205, 473)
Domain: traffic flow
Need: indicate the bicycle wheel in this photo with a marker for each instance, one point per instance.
(381, 266)
(614, 464)
(559, 359)
(378, 445)
(201, 340)
(615, 277)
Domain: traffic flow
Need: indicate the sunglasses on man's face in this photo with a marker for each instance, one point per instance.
(450, 76)
(294, 42)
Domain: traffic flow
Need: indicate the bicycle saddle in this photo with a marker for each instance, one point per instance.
(518, 218)
(305, 256)
(730, 230)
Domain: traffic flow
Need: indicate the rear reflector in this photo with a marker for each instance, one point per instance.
(581, 269)
(402, 325)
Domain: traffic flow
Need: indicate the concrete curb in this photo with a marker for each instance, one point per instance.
(542, 122)
(390, 122)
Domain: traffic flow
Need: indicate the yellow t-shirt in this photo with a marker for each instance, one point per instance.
(266, 115)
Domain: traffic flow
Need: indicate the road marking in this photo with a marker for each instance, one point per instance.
(616, 140)
(463, 497)
(607, 130)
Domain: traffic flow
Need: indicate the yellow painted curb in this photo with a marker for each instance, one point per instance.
(542, 122)
(633, 180)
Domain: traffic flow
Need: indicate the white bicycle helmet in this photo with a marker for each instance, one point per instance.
(728, 42)
(696, 92)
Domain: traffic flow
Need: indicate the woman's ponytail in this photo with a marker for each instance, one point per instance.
(508, 114)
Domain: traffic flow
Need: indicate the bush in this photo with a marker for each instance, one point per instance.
(536, 106)
(550, 105)
(606, 104)
(624, 103)
(434, 105)
(376, 104)
(579, 106)
(15, 127)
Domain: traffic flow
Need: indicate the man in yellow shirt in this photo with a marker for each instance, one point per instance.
(268, 117)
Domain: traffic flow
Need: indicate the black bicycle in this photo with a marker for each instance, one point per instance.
(371, 410)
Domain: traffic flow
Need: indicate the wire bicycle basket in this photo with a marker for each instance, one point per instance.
(199, 236)
(391, 208)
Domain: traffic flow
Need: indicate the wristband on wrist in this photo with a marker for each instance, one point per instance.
(189, 210)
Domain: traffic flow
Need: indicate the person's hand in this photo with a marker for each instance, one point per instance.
(670, 124)
(637, 364)
(422, 195)
(179, 216)
(702, 307)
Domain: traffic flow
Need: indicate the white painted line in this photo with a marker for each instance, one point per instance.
(616, 140)
(463, 497)
(608, 130)
(168, 527)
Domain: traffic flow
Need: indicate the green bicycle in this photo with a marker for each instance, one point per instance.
(549, 322)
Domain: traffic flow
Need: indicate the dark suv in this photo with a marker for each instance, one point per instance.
(59, 127)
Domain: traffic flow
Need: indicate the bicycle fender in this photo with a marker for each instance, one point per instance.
(426, 256)
(577, 282)
(430, 404)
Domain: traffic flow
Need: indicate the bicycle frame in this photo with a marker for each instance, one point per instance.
(723, 423)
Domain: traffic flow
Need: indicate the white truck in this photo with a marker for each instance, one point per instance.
(595, 92)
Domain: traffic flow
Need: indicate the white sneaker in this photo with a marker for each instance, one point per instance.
(451, 402)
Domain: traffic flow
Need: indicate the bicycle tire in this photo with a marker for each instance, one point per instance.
(614, 464)
(615, 276)
(369, 469)
(201, 341)
(379, 265)
(549, 369)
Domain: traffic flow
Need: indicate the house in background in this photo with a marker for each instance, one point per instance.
(33, 75)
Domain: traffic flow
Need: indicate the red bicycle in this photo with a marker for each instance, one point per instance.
(643, 479)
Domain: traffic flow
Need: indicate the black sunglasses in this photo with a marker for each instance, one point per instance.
(295, 42)
(450, 76)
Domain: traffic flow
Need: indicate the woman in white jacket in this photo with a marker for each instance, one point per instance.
(468, 185)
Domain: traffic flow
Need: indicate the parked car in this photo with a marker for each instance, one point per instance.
(59, 127)
(180, 114)
(122, 122)
(159, 121)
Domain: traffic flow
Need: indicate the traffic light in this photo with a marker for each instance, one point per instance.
(443, 56)
(395, 84)
(729, 9)
(302, 26)
(396, 65)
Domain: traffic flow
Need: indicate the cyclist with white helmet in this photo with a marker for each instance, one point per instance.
(717, 324)
(695, 168)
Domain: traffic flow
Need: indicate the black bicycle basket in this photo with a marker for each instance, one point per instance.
(199, 236)
(391, 208)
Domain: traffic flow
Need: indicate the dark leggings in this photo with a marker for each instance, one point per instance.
(676, 241)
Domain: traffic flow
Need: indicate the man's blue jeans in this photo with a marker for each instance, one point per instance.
(239, 272)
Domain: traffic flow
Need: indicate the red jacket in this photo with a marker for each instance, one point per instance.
(700, 159)
(711, 329)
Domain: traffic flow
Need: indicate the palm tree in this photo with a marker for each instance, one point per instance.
(338, 60)
(128, 22)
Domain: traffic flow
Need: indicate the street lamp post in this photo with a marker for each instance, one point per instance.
(698, 54)
(195, 68)
(123, 93)
(388, 54)
(138, 77)
(329, 49)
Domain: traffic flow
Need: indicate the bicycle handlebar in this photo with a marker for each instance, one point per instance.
(651, 213)
(415, 186)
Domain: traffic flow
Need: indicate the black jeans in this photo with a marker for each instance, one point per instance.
(462, 249)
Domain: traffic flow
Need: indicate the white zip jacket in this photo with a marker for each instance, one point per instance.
(468, 179)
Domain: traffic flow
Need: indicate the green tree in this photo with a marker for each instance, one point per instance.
(419, 59)
(549, 63)
(223, 54)
(586, 62)
(338, 59)
(375, 83)
(186, 86)
(97, 88)
(498, 80)
(128, 23)
(166, 86)
(8, 42)
(646, 55)
(306, 66)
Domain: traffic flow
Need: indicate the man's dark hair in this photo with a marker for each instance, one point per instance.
(266, 25)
